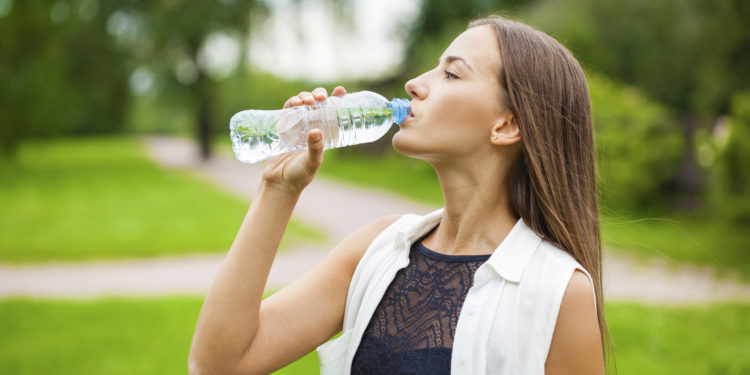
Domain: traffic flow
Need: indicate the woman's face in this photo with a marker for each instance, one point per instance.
(455, 104)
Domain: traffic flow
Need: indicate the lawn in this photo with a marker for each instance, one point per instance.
(696, 340)
(103, 198)
(410, 178)
(681, 238)
(152, 336)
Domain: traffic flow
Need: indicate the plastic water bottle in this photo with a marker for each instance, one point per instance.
(355, 118)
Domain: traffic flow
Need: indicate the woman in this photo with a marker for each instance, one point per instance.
(505, 279)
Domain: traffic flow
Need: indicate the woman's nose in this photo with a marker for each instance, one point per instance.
(414, 89)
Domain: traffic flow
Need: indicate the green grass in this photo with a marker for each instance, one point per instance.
(679, 239)
(103, 198)
(152, 336)
(709, 339)
(410, 178)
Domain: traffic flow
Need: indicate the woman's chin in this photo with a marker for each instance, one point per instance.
(405, 146)
(399, 143)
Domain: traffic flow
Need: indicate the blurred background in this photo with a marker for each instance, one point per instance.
(92, 90)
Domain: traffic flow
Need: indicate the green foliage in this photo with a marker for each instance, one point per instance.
(65, 65)
(60, 74)
(733, 164)
(689, 54)
(438, 23)
(166, 37)
(254, 89)
(154, 114)
(153, 336)
(639, 146)
(101, 198)
(173, 34)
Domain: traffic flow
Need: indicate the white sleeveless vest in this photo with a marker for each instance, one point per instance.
(506, 323)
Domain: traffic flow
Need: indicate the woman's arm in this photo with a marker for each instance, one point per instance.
(230, 313)
(236, 331)
(576, 346)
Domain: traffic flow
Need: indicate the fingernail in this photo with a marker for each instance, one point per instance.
(316, 137)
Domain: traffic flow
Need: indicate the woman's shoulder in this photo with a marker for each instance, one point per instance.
(550, 255)
(549, 271)
(384, 231)
(357, 243)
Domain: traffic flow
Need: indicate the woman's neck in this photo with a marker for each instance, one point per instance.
(477, 215)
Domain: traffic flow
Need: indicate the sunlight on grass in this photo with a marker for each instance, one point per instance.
(153, 336)
(711, 339)
(94, 198)
(392, 172)
(679, 239)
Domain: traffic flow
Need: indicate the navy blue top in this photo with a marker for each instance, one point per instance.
(412, 329)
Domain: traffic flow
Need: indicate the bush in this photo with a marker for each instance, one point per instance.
(733, 158)
(639, 146)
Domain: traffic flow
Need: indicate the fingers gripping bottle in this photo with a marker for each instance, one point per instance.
(355, 118)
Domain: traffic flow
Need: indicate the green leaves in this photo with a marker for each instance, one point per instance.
(639, 146)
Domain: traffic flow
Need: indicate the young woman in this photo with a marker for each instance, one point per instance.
(505, 279)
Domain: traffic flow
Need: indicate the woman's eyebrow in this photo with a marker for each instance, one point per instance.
(450, 59)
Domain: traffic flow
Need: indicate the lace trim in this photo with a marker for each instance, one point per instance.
(417, 317)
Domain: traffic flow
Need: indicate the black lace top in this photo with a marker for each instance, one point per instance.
(412, 329)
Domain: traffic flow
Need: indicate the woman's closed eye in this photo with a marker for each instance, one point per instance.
(450, 75)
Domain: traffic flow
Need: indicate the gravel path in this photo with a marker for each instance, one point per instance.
(337, 209)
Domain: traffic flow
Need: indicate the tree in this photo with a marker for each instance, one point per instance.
(638, 147)
(59, 73)
(689, 54)
(166, 38)
(733, 160)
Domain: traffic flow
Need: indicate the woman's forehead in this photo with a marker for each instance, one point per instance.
(478, 46)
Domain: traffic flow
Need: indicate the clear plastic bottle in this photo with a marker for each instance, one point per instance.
(355, 118)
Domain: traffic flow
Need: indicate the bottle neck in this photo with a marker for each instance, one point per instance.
(401, 108)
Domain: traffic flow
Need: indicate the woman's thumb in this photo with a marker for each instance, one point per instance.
(315, 147)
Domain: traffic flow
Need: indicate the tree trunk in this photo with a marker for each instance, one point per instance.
(689, 177)
(204, 118)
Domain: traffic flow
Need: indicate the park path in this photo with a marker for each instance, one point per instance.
(336, 209)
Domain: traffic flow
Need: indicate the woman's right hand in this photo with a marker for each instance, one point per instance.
(293, 171)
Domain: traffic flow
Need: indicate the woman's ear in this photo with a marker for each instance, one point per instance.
(505, 132)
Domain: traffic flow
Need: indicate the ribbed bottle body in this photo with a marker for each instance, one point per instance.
(355, 118)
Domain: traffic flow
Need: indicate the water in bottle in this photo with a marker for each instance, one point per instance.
(355, 118)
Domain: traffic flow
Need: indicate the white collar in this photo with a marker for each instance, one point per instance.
(508, 260)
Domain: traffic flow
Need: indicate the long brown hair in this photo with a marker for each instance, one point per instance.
(553, 180)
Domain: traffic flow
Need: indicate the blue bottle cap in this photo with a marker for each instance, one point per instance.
(401, 108)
